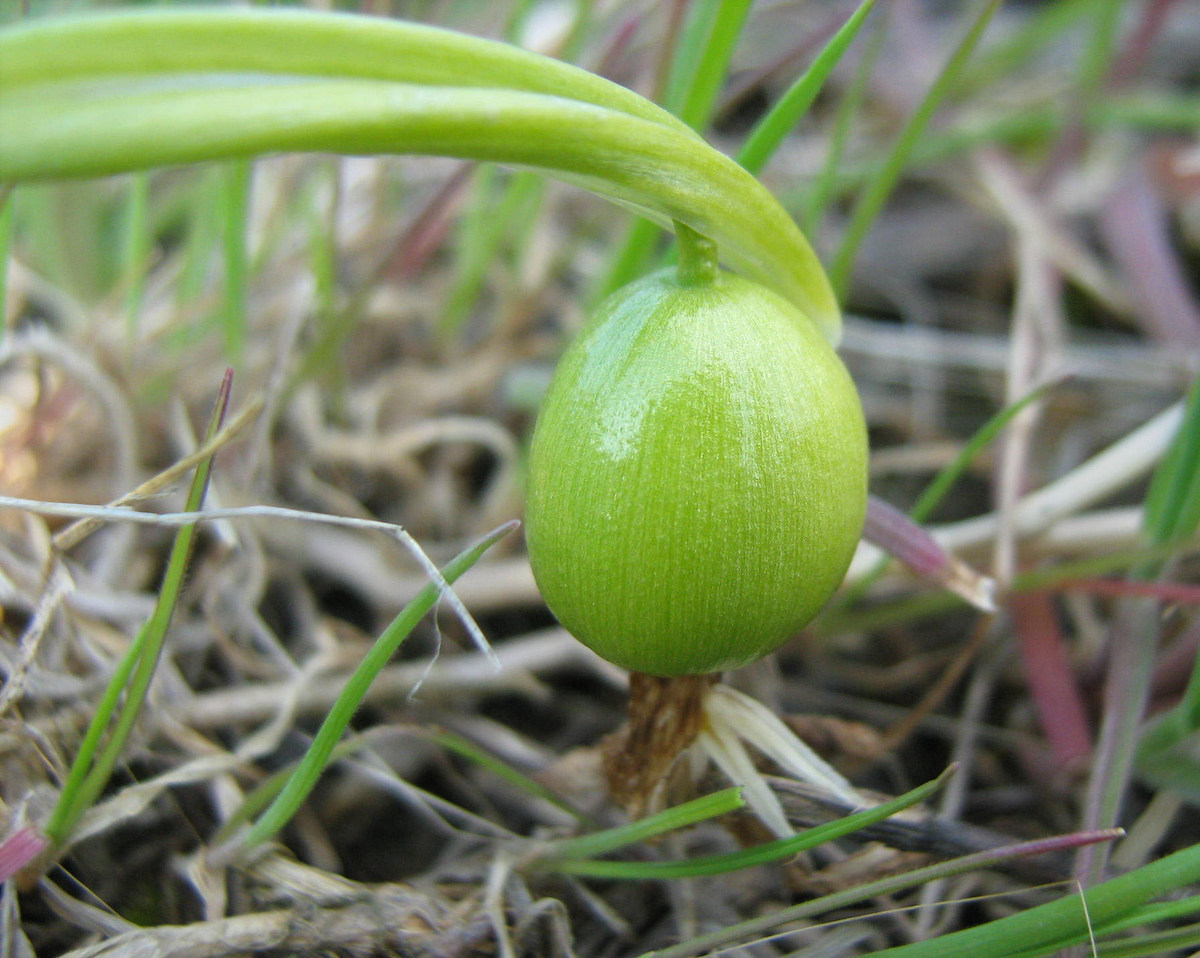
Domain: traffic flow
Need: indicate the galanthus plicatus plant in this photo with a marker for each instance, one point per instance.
(697, 486)
(698, 476)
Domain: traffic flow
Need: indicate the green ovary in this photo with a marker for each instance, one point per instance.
(697, 477)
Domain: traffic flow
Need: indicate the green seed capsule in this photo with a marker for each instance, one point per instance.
(697, 480)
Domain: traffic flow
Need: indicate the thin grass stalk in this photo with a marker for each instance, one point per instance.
(1148, 112)
(815, 200)
(317, 757)
(760, 146)
(873, 198)
(562, 855)
(1173, 500)
(266, 791)
(1040, 30)
(93, 767)
(1152, 945)
(1173, 910)
(1101, 48)
(1044, 579)
(8, 203)
(135, 250)
(1172, 511)
(460, 745)
(203, 238)
(764, 924)
(488, 224)
(1094, 65)
(235, 203)
(1067, 921)
(769, 133)
(702, 60)
(569, 858)
(323, 245)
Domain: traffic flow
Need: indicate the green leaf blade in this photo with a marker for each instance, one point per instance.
(746, 858)
(294, 43)
(771, 130)
(92, 128)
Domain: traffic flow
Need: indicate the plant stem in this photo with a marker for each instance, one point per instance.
(697, 257)
(665, 716)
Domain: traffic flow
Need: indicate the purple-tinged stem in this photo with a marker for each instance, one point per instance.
(895, 533)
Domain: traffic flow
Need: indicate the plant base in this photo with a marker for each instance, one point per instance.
(665, 716)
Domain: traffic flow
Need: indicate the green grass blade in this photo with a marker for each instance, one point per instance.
(937, 490)
(518, 19)
(1060, 920)
(1031, 36)
(266, 790)
(1153, 944)
(135, 252)
(871, 202)
(8, 203)
(782, 118)
(489, 224)
(235, 201)
(1166, 758)
(563, 855)
(576, 864)
(702, 60)
(1098, 53)
(1172, 512)
(91, 771)
(323, 245)
(1172, 508)
(1043, 579)
(632, 258)
(818, 196)
(1174, 910)
(1151, 112)
(484, 759)
(72, 802)
(696, 24)
(1061, 923)
(203, 236)
(317, 757)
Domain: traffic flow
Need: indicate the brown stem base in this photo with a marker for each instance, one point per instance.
(665, 715)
